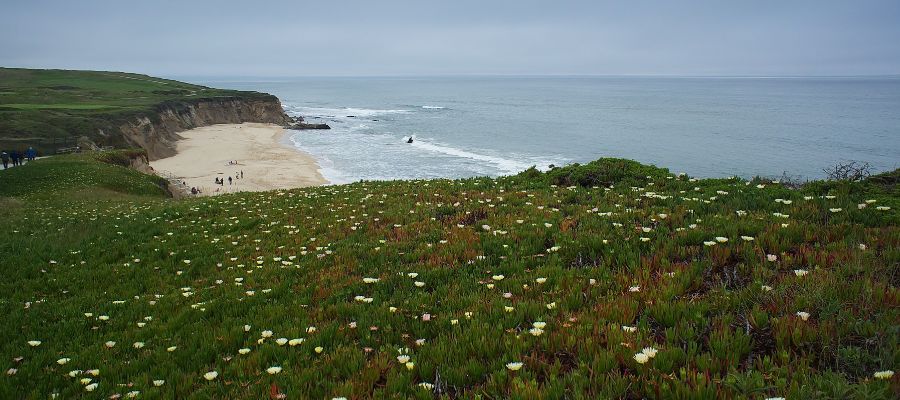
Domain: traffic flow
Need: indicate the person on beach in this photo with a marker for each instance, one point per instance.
(242, 174)
(194, 191)
(229, 180)
(5, 157)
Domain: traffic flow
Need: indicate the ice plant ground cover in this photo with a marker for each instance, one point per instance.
(607, 280)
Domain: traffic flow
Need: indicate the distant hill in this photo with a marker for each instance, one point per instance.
(54, 109)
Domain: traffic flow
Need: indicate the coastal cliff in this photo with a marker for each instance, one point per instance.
(157, 132)
(56, 111)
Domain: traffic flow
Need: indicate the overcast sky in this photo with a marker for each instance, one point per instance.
(422, 37)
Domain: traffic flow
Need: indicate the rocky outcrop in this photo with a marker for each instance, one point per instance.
(157, 133)
(304, 125)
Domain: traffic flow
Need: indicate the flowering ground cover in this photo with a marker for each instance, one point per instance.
(607, 280)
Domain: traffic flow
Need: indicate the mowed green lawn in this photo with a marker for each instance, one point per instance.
(58, 106)
(608, 280)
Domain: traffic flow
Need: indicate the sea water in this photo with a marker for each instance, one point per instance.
(491, 126)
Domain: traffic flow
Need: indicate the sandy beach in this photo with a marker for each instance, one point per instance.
(254, 155)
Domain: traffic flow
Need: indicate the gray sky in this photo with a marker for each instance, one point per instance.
(386, 37)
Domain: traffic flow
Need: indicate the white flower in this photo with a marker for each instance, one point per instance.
(771, 257)
(803, 315)
(835, 210)
(34, 343)
(266, 334)
(295, 342)
(721, 239)
(273, 370)
(536, 331)
(246, 328)
(540, 280)
(514, 366)
(800, 272)
(370, 280)
(629, 328)
(888, 374)
(634, 289)
(709, 244)
(766, 288)
(132, 394)
(419, 284)
(138, 345)
(747, 238)
(641, 358)
(551, 306)
(403, 358)
(281, 341)
(91, 387)
(159, 382)
(171, 349)
(410, 365)
(319, 349)
(498, 277)
(649, 351)
(210, 375)
(775, 398)
(539, 324)
(244, 351)
(63, 361)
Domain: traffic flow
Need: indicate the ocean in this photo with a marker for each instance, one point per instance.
(491, 126)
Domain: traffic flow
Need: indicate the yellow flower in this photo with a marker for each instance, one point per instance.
(319, 349)
(641, 358)
(410, 365)
(514, 366)
(888, 374)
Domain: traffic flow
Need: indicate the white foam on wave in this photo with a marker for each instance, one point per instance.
(317, 112)
(503, 164)
(433, 107)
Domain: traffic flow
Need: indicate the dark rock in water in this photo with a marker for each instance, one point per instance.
(303, 125)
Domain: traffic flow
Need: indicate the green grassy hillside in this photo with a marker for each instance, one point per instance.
(50, 108)
(607, 280)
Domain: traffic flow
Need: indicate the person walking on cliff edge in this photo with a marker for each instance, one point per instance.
(5, 157)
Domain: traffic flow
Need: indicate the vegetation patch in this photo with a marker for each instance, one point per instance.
(606, 280)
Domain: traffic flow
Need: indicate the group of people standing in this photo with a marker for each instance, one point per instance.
(18, 157)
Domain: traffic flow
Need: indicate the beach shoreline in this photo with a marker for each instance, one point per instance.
(256, 156)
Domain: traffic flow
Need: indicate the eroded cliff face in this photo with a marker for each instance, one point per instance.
(157, 133)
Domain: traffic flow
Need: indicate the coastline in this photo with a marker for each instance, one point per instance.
(260, 150)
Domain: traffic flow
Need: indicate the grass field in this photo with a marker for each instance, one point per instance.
(54, 105)
(607, 280)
